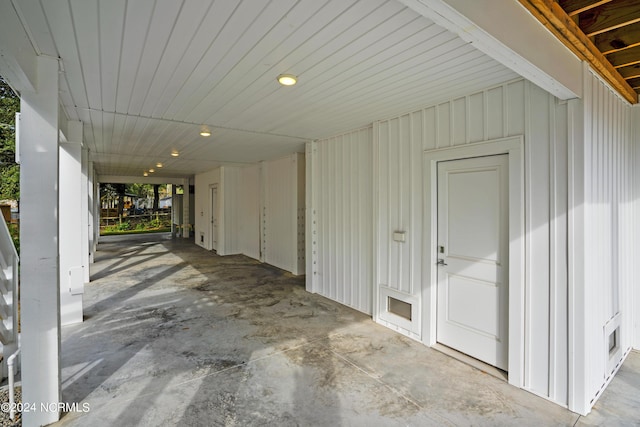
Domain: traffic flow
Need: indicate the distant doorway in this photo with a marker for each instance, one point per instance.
(213, 228)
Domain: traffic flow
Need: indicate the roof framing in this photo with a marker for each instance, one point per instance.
(552, 16)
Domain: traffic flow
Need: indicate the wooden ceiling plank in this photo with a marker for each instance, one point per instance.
(609, 16)
(552, 16)
(635, 83)
(625, 57)
(619, 39)
(574, 7)
(630, 72)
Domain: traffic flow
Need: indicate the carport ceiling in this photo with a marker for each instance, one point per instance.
(144, 76)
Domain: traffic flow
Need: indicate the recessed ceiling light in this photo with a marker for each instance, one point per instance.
(158, 165)
(151, 170)
(175, 153)
(145, 174)
(287, 79)
(204, 131)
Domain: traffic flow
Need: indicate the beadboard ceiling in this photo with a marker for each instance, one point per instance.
(144, 75)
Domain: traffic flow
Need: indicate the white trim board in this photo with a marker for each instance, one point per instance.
(514, 147)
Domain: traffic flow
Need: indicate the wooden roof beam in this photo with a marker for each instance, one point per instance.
(552, 16)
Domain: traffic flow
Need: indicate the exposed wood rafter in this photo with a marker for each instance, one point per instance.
(552, 16)
(574, 7)
(630, 72)
(618, 39)
(625, 57)
(609, 16)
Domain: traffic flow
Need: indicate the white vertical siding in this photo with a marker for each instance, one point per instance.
(608, 228)
(579, 228)
(341, 218)
(280, 213)
(202, 229)
(249, 211)
(635, 114)
(518, 108)
(299, 226)
(260, 211)
(228, 224)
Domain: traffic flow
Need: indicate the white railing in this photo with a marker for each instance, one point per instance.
(8, 296)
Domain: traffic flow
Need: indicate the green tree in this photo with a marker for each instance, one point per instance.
(9, 170)
(141, 190)
(120, 189)
(156, 197)
(108, 195)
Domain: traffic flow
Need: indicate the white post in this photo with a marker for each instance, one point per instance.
(174, 213)
(85, 212)
(635, 111)
(97, 211)
(39, 291)
(185, 209)
(72, 230)
(93, 204)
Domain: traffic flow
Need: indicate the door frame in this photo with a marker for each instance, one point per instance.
(514, 148)
(213, 187)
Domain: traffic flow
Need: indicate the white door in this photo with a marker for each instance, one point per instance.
(214, 218)
(473, 251)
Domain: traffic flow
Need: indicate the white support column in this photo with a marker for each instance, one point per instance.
(185, 209)
(635, 119)
(39, 277)
(174, 213)
(85, 208)
(263, 211)
(93, 204)
(311, 241)
(97, 211)
(72, 226)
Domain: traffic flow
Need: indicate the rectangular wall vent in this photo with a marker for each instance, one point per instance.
(399, 308)
(614, 341)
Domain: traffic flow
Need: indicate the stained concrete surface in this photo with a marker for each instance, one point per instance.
(176, 335)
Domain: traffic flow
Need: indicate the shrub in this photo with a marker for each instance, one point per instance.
(14, 230)
(123, 226)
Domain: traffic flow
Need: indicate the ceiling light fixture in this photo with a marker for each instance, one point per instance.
(145, 174)
(287, 79)
(158, 165)
(152, 170)
(204, 131)
(175, 153)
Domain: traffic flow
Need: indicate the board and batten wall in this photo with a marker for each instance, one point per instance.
(395, 148)
(249, 211)
(635, 120)
(340, 218)
(226, 179)
(282, 216)
(203, 183)
(516, 108)
(260, 211)
(602, 239)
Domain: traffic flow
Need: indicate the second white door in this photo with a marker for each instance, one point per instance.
(214, 218)
(473, 227)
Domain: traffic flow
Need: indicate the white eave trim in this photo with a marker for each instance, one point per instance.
(508, 33)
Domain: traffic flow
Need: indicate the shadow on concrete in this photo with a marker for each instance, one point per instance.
(182, 335)
(191, 338)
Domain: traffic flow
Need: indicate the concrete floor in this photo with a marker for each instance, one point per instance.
(175, 335)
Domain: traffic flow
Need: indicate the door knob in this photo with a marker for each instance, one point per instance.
(441, 262)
